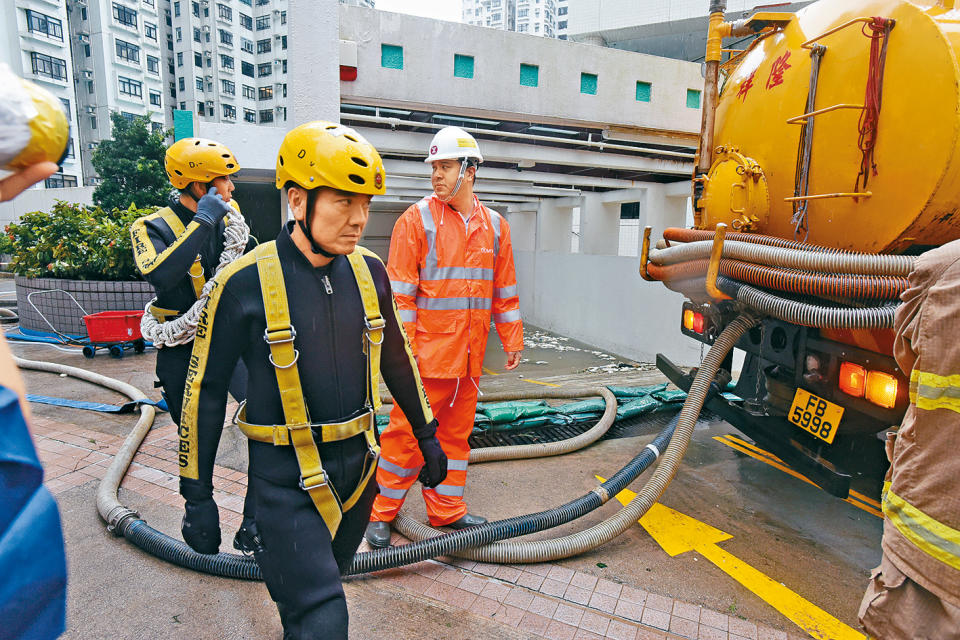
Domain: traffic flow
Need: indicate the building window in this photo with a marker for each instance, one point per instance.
(183, 106)
(462, 66)
(199, 83)
(266, 93)
(246, 22)
(264, 69)
(86, 51)
(125, 15)
(66, 106)
(249, 92)
(225, 13)
(562, 11)
(522, 13)
(150, 30)
(42, 23)
(226, 62)
(693, 98)
(263, 46)
(149, 3)
(180, 58)
(59, 181)
(197, 60)
(283, 42)
(629, 232)
(588, 83)
(200, 110)
(179, 32)
(176, 9)
(195, 7)
(261, 3)
(283, 17)
(48, 66)
(93, 122)
(249, 115)
(156, 127)
(266, 115)
(522, 28)
(283, 65)
(90, 87)
(228, 87)
(130, 87)
(196, 34)
(153, 64)
(226, 37)
(127, 51)
(643, 91)
(529, 75)
(263, 22)
(229, 111)
(246, 68)
(391, 56)
(155, 98)
(246, 2)
(181, 84)
(246, 45)
(562, 24)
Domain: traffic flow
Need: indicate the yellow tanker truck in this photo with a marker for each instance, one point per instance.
(829, 157)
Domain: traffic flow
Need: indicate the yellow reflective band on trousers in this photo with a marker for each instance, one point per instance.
(931, 391)
(929, 535)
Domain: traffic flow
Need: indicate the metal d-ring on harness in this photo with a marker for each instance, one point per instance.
(298, 430)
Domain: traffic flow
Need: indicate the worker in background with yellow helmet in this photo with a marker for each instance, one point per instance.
(177, 250)
(312, 316)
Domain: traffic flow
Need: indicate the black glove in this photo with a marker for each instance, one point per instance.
(434, 459)
(211, 209)
(201, 526)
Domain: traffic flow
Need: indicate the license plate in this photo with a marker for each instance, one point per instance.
(815, 415)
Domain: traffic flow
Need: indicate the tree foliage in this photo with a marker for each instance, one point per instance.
(131, 165)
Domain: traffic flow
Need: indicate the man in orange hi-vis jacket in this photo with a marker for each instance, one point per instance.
(451, 269)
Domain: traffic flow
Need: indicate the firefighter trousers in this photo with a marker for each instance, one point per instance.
(454, 404)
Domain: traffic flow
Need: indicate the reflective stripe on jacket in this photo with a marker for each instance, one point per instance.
(449, 279)
(921, 501)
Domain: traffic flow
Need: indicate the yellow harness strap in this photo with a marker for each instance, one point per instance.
(298, 431)
(196, 269)
(161, 314)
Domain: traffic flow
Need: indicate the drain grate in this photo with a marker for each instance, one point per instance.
(640, 425)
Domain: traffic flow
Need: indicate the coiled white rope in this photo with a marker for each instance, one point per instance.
(182, 330)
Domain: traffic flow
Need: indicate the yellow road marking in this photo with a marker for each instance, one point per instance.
(678, 533)
(546, 384)
(857, 499)
(490, 372)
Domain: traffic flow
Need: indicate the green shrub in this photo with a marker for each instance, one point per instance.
(73, 242)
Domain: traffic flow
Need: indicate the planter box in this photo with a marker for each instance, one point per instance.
(93, 295)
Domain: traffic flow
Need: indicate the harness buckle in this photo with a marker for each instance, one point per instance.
(296, 356)
(267, 335)
(307, 484)
(240, 408)
(376, 324)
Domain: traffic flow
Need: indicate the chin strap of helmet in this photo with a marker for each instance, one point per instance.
(304, 224)
(464, 163)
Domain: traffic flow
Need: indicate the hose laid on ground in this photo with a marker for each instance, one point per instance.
(808, 315)
(868, 264)
(679, 234)
(566, 546)
(813, 284)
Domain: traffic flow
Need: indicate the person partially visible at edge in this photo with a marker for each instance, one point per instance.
(451, 269)
(177, 249)
(33, 595)
(312, 316)
(915, 592)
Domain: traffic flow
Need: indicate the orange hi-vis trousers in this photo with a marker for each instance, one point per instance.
(454, 403)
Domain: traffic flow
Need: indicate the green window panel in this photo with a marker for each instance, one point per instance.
(529, 75)
(182, 124)
(391, 56)
(643, 91)
(588, 83)
(693, 98)
(462, 66)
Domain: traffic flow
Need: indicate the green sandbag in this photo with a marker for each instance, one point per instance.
(637, 407)
(675, 395)
(523, 423)
(501, 412)
(594, 405)
(636, 392)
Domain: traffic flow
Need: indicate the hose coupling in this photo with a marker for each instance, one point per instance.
(118, 520)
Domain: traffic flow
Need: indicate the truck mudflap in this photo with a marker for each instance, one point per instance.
(772, 433)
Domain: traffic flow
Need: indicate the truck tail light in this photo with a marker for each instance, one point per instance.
(693, 321)
(881, 389)
(853, 379)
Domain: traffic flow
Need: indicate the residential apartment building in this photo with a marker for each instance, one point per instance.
(563, 11)
(36, 45)
(537, 17)
(116, 65)
(370, 4)
(496, 14)
(226, 60)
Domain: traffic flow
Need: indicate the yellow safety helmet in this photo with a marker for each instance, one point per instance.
(198, 160)
(35, 126)
(326, 154)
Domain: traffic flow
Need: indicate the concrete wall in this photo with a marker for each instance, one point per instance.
(495, 91)
(41, 200)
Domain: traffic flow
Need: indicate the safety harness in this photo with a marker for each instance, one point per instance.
(196, 269)
(298, 430)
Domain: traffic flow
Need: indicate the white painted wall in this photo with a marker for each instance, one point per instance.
(42, 200)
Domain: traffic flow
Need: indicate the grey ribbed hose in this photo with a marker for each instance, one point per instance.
(807, 315)
(862, 263)
(108, 504)
(582, 541)
(543, 450)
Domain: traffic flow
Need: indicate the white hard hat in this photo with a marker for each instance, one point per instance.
(453, 143)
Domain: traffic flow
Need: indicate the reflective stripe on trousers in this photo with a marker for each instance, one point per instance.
(930, 535)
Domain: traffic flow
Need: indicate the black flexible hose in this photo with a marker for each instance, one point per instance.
(229, 565)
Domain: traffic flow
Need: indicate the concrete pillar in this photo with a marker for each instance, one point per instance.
(553, 226)
(665, 206)
(599, 225)
(314, 61)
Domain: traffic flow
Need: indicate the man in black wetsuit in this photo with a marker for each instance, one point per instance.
(177, 249)
(313, 318)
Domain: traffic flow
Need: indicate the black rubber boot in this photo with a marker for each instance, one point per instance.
(466, 521)
(248, 538)
(378, 534)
